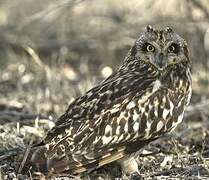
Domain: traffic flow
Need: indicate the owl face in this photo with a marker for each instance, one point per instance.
(161, 48)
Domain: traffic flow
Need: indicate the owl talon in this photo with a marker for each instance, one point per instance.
(135, 176)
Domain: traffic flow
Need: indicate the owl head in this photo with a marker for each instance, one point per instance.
(160, 48)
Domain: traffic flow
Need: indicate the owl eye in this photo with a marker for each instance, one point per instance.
(150, 48)
(173, 48)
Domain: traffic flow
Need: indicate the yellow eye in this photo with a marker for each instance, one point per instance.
(171, 49)
(150, 48)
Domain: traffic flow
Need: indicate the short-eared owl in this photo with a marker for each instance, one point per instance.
(144, 99)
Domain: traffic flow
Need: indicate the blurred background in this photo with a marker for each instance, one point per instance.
(54, 50)
(58, 46)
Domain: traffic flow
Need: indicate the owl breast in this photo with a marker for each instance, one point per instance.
(161, 109)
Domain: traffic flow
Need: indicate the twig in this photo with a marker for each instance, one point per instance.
(25, 157)
(51, 8)
(23, 115)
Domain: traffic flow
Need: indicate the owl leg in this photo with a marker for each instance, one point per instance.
(130, 168)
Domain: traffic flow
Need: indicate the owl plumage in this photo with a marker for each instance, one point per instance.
(143, 100)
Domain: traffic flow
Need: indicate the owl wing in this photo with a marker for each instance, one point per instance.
(96, 127)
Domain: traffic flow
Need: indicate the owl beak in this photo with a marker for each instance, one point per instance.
(160, 60)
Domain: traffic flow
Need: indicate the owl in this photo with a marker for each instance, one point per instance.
(139, 103)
